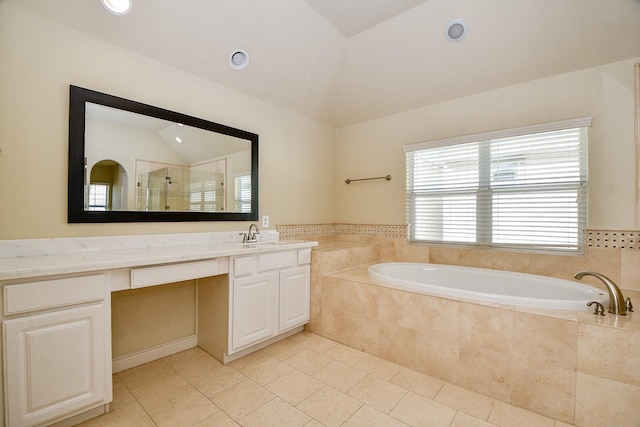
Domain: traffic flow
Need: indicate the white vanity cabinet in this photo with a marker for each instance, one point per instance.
(56, 348)
(269, 295)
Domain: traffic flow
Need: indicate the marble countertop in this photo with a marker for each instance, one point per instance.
(47, 257)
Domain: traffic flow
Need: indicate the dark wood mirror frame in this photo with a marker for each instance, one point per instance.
(76, 204)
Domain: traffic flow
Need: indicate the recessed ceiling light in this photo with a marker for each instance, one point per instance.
(456, 30)
(239, 59)
(117, 7)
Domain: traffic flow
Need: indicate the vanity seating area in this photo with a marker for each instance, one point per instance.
(56, 319)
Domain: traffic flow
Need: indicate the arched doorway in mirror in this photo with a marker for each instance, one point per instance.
(107, 187)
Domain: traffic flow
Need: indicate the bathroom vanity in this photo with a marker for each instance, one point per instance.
(56, 318)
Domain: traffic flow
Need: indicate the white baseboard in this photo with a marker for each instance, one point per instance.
(149, 355)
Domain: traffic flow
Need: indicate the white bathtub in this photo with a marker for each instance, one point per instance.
(494, 286)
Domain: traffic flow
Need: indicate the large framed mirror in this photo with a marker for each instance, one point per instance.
(132, 162)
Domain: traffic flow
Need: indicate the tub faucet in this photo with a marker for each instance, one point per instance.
(250, 237)
(616, 300)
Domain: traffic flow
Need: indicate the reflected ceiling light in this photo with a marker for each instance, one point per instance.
(179, 140)
(239, 59)
(117, 7)
(456, 30)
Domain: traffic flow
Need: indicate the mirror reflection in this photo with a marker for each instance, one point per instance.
(175, 167)
(143, 163)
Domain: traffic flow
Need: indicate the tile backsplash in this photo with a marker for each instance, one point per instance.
(613, 239)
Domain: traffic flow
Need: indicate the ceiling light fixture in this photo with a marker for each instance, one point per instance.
(456, 30)
(117, 7)
(239, 59)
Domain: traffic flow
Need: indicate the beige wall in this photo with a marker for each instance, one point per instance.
(40, 59)
(605, 93)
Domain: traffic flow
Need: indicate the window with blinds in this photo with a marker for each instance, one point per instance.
(243, 193)
(203, 195)
(522, 188)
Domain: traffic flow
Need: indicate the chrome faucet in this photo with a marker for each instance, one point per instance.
(616, 300)
(250, 237)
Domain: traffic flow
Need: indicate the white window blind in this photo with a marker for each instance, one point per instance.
(202, 195)
(243, 193)
(521, 188)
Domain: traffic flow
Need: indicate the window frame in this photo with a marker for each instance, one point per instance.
(484, 191)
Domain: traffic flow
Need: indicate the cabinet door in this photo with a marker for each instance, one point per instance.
(55, 363)
(253, 310)
(294, 297)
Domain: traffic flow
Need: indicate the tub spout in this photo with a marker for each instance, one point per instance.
(616, 300)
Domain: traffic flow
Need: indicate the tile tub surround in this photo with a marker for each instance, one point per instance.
(574, 367)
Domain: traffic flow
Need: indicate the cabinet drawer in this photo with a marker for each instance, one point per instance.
(46, 294)
(276, 261)
(159, 275)
(243, 265)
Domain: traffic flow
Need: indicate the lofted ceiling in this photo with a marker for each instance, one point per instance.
(348, 61)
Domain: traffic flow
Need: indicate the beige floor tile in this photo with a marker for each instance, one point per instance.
(122, 397)
(369, 417)
(339, 375)
(379, 394)
(217, 380)
(173, 358)
(330, 406)
(378, 367)
(275, 413)
(418, 411)
(309, 361)
(505, 415)
(242, 398)
(314, 423)
(194, 365)
(135, 377)
(313, 341)
(247, 360)
(131, 415)
(283, 349)
(186, 410)
(417, 382)
(219, 419)
(161, 391)
(344, 354)
(265, 370)
(465, 420)
(294, 386)
(465, 400)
